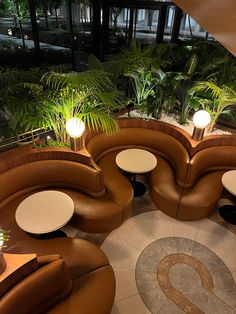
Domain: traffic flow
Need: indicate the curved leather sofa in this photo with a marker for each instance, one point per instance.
(96, 210)
(83, 268)
(185, 184)
(55, 285)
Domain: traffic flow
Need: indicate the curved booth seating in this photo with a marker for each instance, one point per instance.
(203, 185)
(49, 286)
(74, 283)
(183, 185)
(96, 210)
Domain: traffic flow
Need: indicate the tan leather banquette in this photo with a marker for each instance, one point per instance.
(80, 282)
(95, 209)
(185, 184)
(71, 284)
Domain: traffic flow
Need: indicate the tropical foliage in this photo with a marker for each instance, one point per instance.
(215, 98)
(160, 76)
(4, 236)
(89, 95)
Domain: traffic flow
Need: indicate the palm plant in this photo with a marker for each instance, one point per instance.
(14, 98)
(216, 99)
(90, 96)
(4, 236)
(154, 56)
(215, 62)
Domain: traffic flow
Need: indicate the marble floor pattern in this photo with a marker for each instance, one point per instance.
(167, 266)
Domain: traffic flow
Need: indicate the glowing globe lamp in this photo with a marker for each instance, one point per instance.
(75, 128)
(201, 119)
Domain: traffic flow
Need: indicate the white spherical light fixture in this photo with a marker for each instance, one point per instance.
(201, 119)
(75, 127)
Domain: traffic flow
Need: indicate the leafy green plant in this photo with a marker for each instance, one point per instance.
(4, 236)
(152, 57)
(215, 98)
(14, 95)
(90, 96)
(215, 62)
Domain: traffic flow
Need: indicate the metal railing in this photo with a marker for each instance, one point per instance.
(23, 138)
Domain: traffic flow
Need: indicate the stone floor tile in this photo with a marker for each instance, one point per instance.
(131, 305)
(125, 283)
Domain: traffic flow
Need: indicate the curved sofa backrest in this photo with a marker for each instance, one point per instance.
(39, 289)
(155, 141)
(210, 159)
(49, 174)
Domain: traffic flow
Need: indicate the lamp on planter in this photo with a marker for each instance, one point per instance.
(201, 119)
(75, 128)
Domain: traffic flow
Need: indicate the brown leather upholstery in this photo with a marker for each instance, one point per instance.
(95, 209)
(152, 140)
(119, 188)
(51, 289)
(184, 188)
(51, 173)
(210, 159)
(165, 192)
(199, 201)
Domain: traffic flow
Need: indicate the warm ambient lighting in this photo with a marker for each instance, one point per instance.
(201, 119)
(75, 128)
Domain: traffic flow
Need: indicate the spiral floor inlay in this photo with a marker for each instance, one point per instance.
(167, 266)
(186, 272)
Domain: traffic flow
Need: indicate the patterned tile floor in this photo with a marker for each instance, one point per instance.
(167, 266)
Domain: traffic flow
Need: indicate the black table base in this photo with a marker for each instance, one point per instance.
(139, 188)
(50, 235)
(228, 213)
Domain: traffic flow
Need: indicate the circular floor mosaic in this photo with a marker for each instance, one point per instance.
(179, 275)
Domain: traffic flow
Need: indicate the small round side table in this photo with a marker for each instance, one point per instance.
(45, 212)
(136, 161)
(228, 212)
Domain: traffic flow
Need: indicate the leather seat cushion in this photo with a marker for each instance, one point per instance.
(163, 189)
(118, 187)
(199, 201)
(92, 293)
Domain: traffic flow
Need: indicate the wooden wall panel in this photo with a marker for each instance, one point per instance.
(218, 17)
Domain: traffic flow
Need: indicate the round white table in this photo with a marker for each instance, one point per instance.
(44, 212)
(228, 212)
(136, 161)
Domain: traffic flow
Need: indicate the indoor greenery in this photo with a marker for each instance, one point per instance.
(89, 95)
(216, 98)
(160, 76)
(4, 236)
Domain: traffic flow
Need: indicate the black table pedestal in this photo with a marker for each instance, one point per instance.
(228, 213)
(139, 188)
(49, 235)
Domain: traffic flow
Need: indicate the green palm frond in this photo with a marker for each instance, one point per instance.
(97, 120)
(76, 80)
(215, 98)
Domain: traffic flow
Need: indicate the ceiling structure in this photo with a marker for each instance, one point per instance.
(218, 17)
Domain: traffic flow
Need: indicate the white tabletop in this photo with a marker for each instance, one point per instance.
(44, 212)
(136, 160)
(229, 181)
